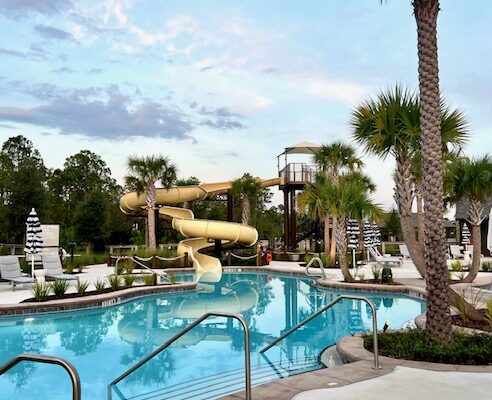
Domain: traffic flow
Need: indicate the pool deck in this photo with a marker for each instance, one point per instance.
(395, 380)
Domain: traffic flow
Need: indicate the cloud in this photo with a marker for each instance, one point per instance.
(35, 53)
(95, 71)
(6, 126)
(21, 8)
(108, 113)
(62, 70)
(49, 32)
(345, 91)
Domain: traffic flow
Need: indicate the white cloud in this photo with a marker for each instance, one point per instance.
(332, 89)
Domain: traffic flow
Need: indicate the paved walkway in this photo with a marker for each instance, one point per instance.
(409, 384)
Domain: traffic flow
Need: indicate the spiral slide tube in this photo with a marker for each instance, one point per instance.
(197, 231)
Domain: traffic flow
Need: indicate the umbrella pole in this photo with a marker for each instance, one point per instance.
(353, 258)
(32, 265)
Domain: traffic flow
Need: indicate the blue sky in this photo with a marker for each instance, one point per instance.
(222, 86)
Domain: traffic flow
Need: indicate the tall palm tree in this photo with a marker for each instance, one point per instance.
(438, 318)
(471, 181)
(333, 159)
(247, 189)
(390, 125)
(144, 173)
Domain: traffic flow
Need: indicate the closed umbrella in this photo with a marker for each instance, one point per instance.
(34, 239)
(353, 232)
(368, 234)
(465, 234)
(376, 235)
(489, 233)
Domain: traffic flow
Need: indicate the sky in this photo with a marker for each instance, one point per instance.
(222, 86)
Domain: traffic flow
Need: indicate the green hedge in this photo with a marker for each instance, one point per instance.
(415, 345)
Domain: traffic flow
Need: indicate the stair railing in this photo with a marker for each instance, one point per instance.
(72, 372)
(247, 345)
(326, 307)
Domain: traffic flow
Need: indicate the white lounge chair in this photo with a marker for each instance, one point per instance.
(455, 251)
(53, 267)
(404, 251)
(10, 271)
(378, 257)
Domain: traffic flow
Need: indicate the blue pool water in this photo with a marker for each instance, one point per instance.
(206, 362)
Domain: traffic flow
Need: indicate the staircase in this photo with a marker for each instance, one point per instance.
(222, 384)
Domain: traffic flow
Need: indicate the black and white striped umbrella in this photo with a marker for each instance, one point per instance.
(368, 235)
(34, 237)
(376, 235)
(465, 234)
(353, 232)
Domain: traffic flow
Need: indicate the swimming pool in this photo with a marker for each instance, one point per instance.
(207, 362)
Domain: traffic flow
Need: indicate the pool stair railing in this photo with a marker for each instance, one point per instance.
(322, 310)
(247, 345)
(38, 358)
(320, 264)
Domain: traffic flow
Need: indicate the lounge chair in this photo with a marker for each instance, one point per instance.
(455, 251)
(404, 251)
(378, 257)
(10, 271)
(53, 267)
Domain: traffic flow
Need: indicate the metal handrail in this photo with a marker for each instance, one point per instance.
(72, 372)
(320, 263)
(247, 345)
(322, 310)
(164, 275)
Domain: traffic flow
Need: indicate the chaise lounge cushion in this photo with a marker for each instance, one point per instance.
(53, 267)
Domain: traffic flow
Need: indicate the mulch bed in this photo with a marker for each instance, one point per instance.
(73, 295)
(481, 325)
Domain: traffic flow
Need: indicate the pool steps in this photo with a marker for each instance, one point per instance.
(221, 384)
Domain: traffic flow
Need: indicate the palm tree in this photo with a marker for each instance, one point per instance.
(334, 158)
(349, 198)
(344, 198)
(471, 181)
(144, 173)
(438, 318)
(390, 125)
(247, 189)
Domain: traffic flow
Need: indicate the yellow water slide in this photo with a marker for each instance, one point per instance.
(198, 231)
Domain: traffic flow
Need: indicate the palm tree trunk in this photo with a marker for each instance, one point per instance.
(475, 216)
(341, 238)
(246, 212)
(333, 245)
(326, 234)
(151, 196)
(151, 227)
(420, 213)
(438, 321)
(404, 199)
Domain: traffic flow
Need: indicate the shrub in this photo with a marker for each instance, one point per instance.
(69, 268)
(376, 271)
(461, 275)
(128, 280)
(119, 268)
(487, 266)
(150, 280)
(59, 287)
(41, 291)
(416, 345)
(488, 311)
(99, 285)
(114, 281)
(456, 266)
(82, 287)
(172, 277)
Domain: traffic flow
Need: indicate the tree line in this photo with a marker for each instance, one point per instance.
(83, 198)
